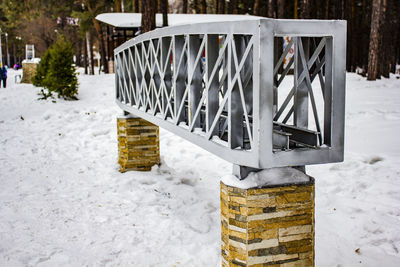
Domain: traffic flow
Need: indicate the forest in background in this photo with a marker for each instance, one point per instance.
(373, 41)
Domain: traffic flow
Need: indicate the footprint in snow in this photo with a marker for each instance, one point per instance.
(373, 160)
(187, 181)
(148, 182)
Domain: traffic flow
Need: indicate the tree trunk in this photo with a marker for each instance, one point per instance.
(148, 15)
(271, 9)
(164, 7)
(361, 34)
(14, 57)
(89, 50)
(135, 6)
(204, 6)
(221, 6)
(99, 31)
(185, 7)
(395, 44)
(233, 7)
(374, 41)
(304, 9)
(91, 56)
(295, 7)
(281, 9)
(159, 8)
(196, 7)
(246, 7)
(117, 5)
(85, 56)
(256, 8)
(79, 54)
(383, 41)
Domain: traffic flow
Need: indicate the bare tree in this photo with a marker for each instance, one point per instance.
(135, 6)
(89, 48)
(164, 8)
(256, 8)
(281, 9)
(204, 6)
(374, 41)
(85, 56)
(271, 8)
(185, 7)
(100, 34)
(117, 5)
(233, 7)
(221, 6)
(148, 15)
(196, 6)
(304, 9)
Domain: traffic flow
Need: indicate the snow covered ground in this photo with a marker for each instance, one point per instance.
(64, 203)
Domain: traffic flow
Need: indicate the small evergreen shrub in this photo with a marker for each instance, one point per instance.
(57, 73)
(42, 69)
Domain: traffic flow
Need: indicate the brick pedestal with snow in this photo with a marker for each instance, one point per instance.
(271, 225)
(138, 144)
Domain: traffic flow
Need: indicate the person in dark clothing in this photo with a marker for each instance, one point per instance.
(4, 75)
(1, 75)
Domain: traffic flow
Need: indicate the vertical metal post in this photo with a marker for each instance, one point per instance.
(263, 67)
(339, 87)
(328, 93)
(276, 58)
(229, 85)
(117, 94)
(247, 80)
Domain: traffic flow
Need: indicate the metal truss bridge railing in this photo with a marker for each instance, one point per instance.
(259, 93)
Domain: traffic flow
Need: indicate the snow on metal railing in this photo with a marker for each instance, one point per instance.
(230, 88)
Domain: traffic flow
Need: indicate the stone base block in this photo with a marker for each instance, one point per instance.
(111, 66)
(28, 71)
(269, 226)
(138, 144)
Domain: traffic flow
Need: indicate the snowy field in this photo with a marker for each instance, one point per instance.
(64, 203)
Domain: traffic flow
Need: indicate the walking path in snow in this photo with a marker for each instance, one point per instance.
(64, 203)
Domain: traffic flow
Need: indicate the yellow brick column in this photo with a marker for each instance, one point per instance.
(28, 71)
(138, 144)
(268, 226)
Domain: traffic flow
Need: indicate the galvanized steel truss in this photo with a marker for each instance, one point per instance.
(223, 86)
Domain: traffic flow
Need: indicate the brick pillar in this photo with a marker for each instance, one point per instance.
(268, 226)
(111, 66)
(138, 144)
(28, 71)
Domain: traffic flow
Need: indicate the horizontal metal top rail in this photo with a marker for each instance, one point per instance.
(259, 93)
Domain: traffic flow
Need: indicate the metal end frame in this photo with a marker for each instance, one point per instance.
(229, 88)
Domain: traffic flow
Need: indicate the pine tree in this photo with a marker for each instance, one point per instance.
(61, 76)
(42, 69)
